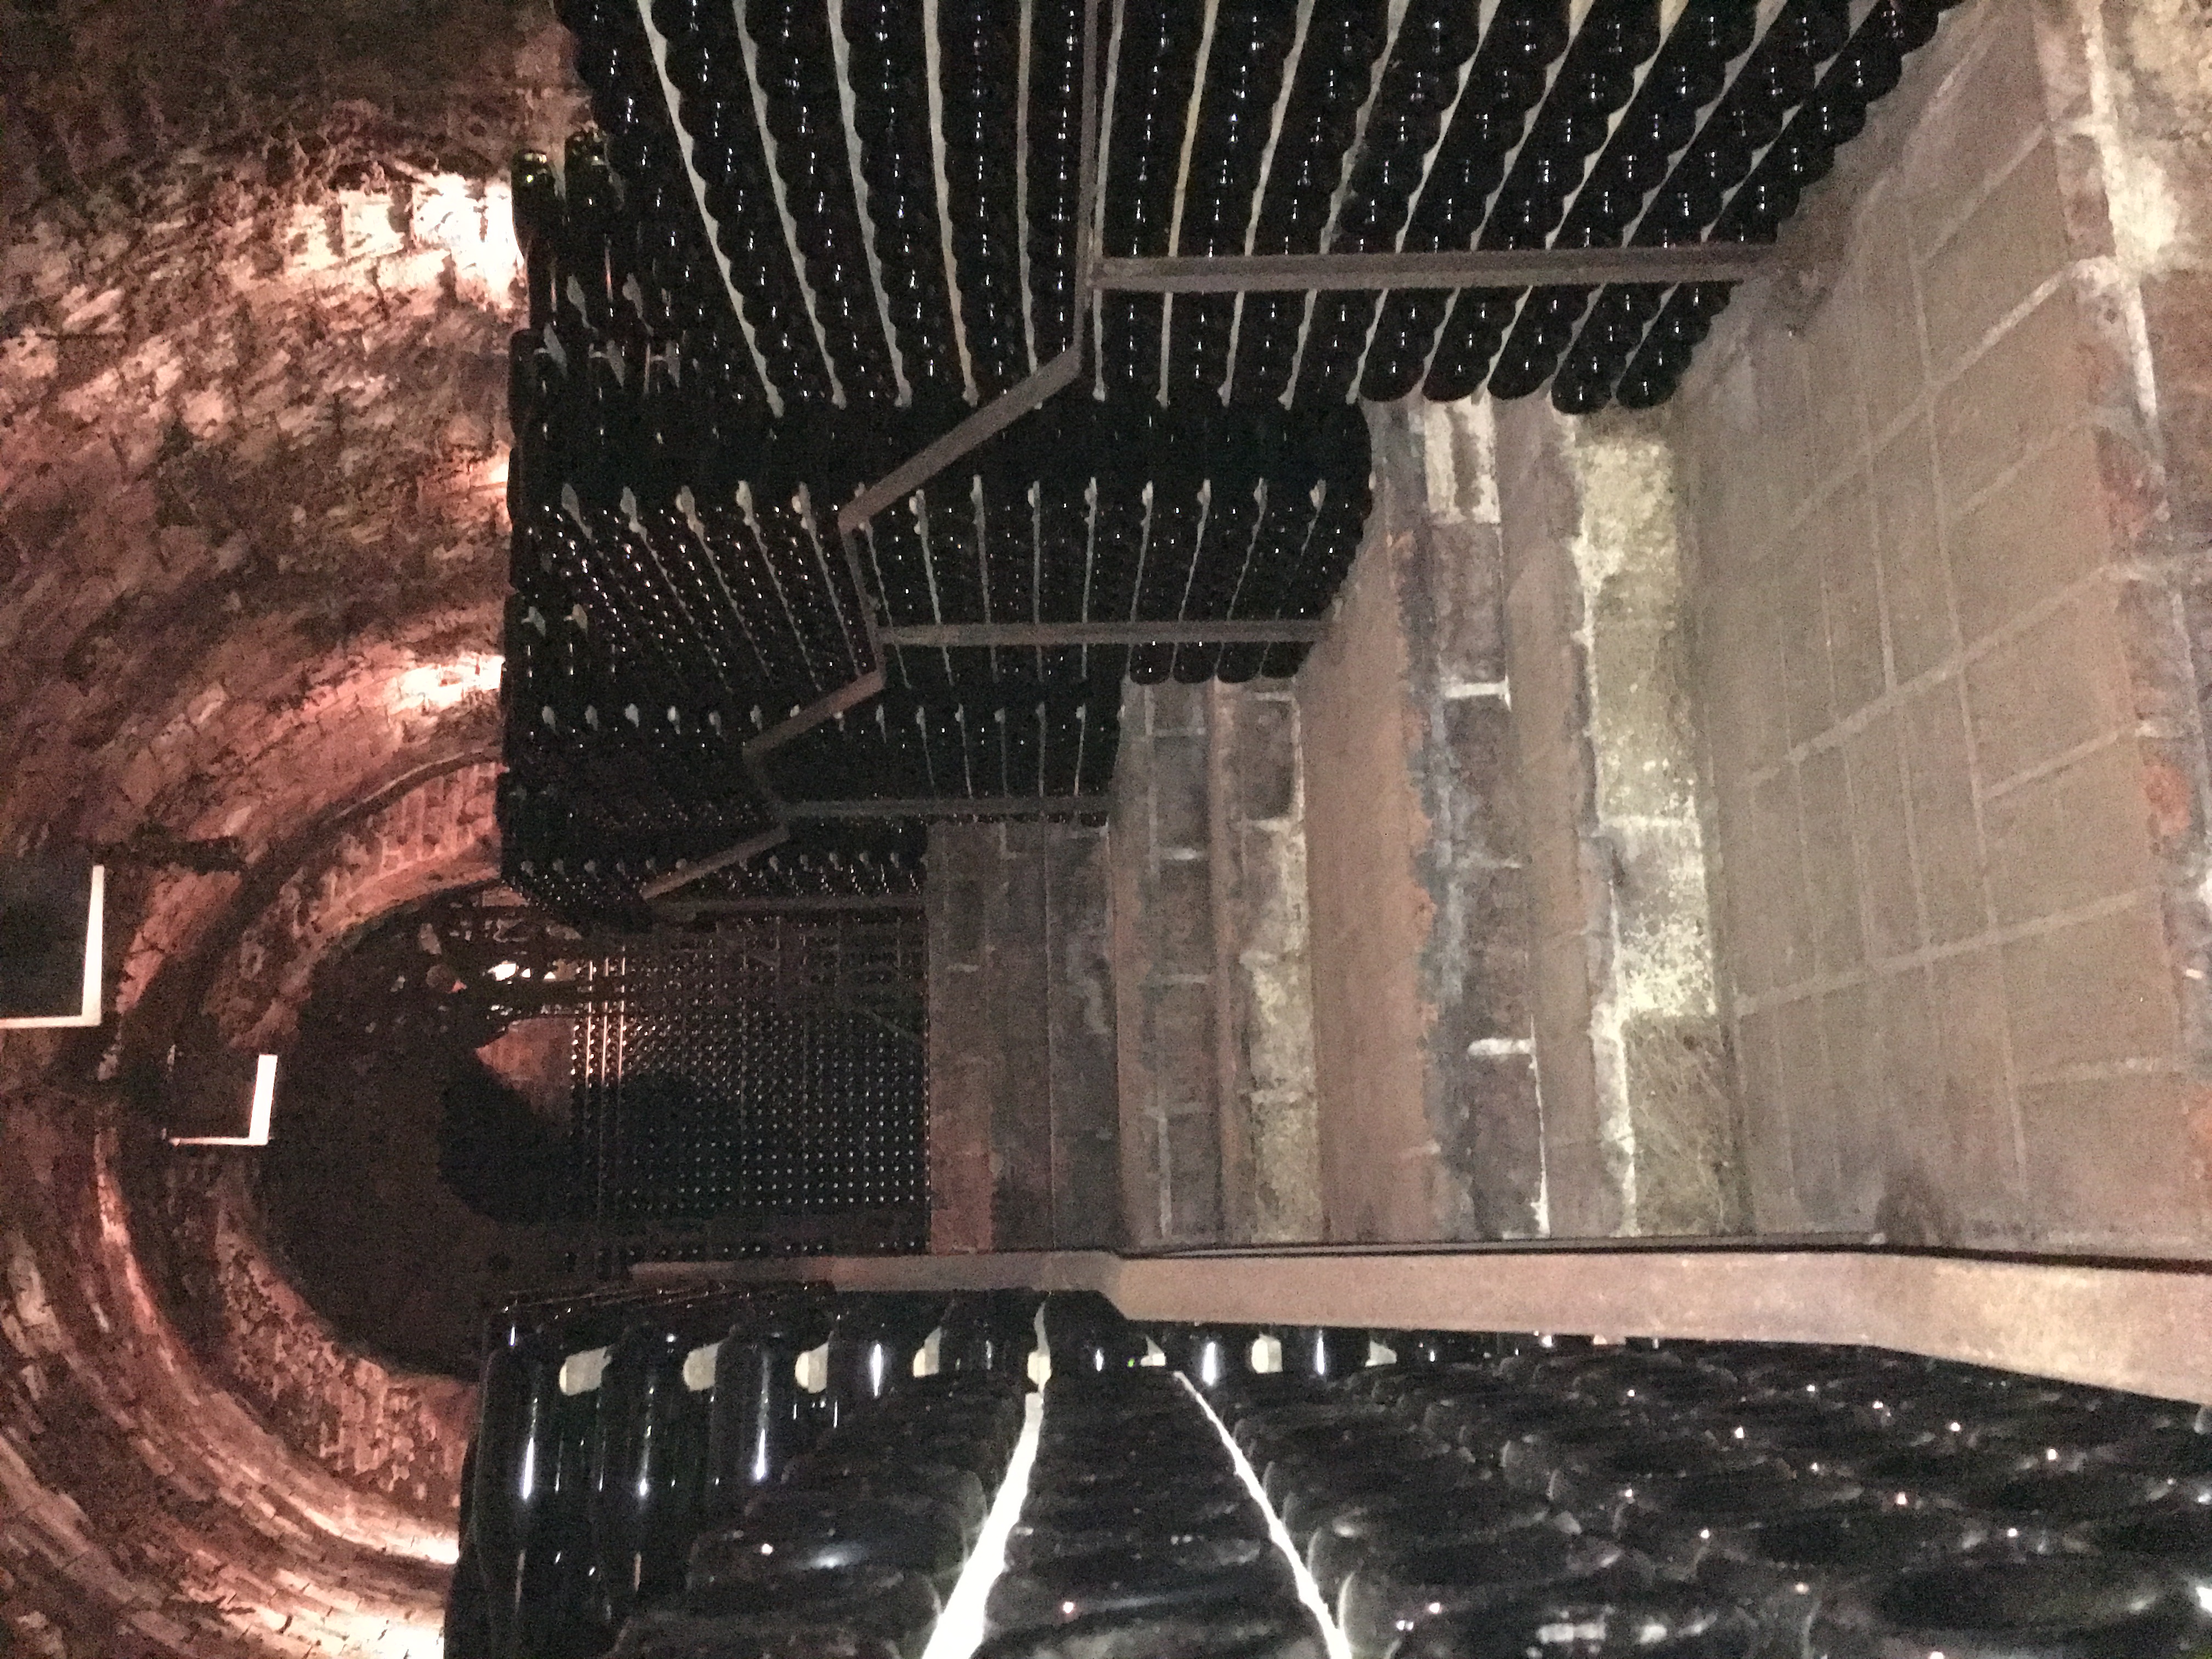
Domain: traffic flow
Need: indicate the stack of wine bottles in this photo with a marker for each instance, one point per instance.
(805, 237)
(1501, 1496)
(869, 244)
(662, 1475)
(768, 1078)
(650, 1467)
(680, 587)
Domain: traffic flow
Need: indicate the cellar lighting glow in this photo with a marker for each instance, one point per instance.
(257, 1115)
(439, 685)
(1309, 1592)
(959, 1630)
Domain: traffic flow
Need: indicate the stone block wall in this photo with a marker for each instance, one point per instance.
(1022, 1130)
(1433, 1124)
(1513, 1006)
(1946, 571)
(1211, 976)
(1639, 1109)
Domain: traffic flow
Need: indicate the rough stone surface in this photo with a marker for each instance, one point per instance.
(1165, 961)
(1371, 915)
(1271, 1150)
(156, 1496)
(1598, 634)
(1514, 1012)
(1211, 971)
(1447, 1064)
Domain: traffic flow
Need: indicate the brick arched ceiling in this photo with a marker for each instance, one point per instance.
(255, 289)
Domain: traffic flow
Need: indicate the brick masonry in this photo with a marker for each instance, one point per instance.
(257, 282)
(1632, 1056)
(1514, 1021)
(1949, 536)
(153, 1497)
(1023, 1137)
(1211, 972)
(1430, 1033)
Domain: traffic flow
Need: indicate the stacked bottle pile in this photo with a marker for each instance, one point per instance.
(1125, 511)
(650, 1476)
(803, 239)
(769, 1076)
(1504, 1496)
(677, 587)
(1138, 1538)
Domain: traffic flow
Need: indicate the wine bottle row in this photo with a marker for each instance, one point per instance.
(1137, 1535)
(1446, 341)
(1245, 65)
(1419, 85)
(1119, 511)
(1154, 70)
(584, 853)
(1013, 738)
(1596, 79)
(649, 1473)
(889, 74)
(1688, 75)
(633, 364)
(826, 860)
(1330, 82)
(745, 603)
(794, 67)
(980, 53)
(1741, 178)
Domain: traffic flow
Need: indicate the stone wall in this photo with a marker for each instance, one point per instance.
(1638, 1109)
(1950, 539)
(1211, 973)
(1023, 1136)
(373, 1425)
(1514, 1018)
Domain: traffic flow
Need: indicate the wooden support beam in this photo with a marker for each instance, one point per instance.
(684, 874)
(2144, 1329)
(986, 423)
(1235, 273)
(822, 709)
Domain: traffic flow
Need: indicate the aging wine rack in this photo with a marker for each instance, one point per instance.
(806, 237)
(755, 1081)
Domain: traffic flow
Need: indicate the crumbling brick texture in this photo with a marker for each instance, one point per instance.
(1219, 1126)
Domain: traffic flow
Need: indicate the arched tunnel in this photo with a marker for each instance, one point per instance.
(1622, 806)
(260, 275)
